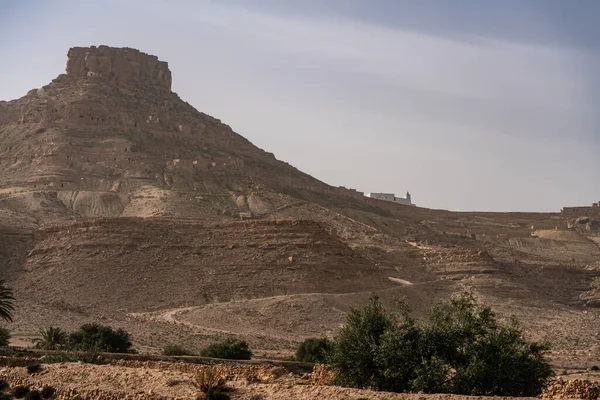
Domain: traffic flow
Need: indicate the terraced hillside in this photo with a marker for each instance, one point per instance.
(153, 264)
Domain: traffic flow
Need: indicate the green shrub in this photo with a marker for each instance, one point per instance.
(595, 368)
(88, 357)
(33, 395)
(52, 339)
(60, 357)
(490, 358)
(314, 350)
(461, 348)
(174, 350)
(48, 392)
(353, 356)
(20, 391)
(96, 337)
(4, 337)
(93, 357)
(34, 368)
(231, 349)
(3, 385)
(5, 396)
(404, 362)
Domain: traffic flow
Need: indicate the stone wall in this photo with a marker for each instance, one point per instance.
(584, 211)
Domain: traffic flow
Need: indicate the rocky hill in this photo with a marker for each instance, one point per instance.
(110, 138)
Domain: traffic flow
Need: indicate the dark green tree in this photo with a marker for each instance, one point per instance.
(314, 350)
(355, 348)
(232, 349)
(96, 337)
(460, 348)
(4, 337)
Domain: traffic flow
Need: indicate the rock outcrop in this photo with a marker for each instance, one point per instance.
(587, 226)
(571, 389)
(124, 65)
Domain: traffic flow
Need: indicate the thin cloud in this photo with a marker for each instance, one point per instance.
(466, 122)
(475, 67)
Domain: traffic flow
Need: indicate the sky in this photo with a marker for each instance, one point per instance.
(487, 105)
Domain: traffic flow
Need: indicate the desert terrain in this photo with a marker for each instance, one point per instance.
(121, 204)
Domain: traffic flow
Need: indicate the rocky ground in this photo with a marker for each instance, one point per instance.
(176, 380)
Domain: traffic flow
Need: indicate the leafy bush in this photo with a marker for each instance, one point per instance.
(96, 337)
(404, 362)
(461, 348)
(48, 392)
(355, 347)
(314, 350)
(34, 368)
(20, 391)
(59, 357)
(92, 357)
(3, 385)
(595, 368)
(4, 337)
(174, 350)
(52, 339)
(231, 349)
(88, 357)
(33, 395)
(5, 396)
(490, 358)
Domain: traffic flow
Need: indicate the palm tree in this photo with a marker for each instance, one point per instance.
(52, 338)
(6, 302)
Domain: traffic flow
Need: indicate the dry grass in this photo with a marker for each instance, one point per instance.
(208, 380)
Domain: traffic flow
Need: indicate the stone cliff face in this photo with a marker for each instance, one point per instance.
(123, 65)
(109, 138)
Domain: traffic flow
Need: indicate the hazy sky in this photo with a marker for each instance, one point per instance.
(469, 104)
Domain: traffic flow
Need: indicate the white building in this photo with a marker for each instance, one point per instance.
(391, 197)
